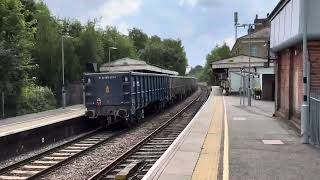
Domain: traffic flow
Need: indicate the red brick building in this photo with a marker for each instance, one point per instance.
(286, 42)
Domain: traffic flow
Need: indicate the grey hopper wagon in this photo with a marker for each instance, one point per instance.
(126, 96)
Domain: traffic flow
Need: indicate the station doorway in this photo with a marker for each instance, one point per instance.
(268, 87)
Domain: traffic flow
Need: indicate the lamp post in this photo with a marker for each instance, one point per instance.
(63, 91)
(111, 48)
(236, 25)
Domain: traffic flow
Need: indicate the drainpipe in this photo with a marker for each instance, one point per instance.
(305, 105)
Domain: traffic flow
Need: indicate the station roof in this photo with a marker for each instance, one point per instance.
(127, 64)
(239, 62)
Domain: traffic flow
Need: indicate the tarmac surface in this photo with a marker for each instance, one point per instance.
(26, 122)
(228, 141)
(251, 158)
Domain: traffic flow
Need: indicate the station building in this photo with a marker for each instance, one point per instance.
(287, 21)
(228, 71)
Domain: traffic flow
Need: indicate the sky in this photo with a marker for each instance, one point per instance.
(199, 24)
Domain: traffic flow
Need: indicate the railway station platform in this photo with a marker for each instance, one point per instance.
(231, 142)
(27, 122)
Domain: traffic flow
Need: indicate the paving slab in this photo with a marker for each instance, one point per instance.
(180, 160)
(30, 121)
(250, 158)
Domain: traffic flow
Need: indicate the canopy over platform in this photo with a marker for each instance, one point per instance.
(127, 64)
(240, 62)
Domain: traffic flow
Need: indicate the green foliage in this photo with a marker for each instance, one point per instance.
(196, 71)
(35, 99)
(139, 38)
(168, 54)
(90, 47)
(15, 32)
(31, 47)
(125, 47)
(218, 53)
(11, 73)
(47, 53)
(16, 43)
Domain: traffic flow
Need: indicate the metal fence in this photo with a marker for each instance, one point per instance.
(314, 124)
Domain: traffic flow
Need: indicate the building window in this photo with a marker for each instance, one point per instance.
(254, 51)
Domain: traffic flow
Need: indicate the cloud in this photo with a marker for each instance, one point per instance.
(123, 28)
(230, 41)
(113, 10)
(203, 3)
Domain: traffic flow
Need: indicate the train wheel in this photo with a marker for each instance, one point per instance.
(140, 115)
(129, 122)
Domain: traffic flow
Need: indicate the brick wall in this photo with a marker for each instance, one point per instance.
(290, 79)
(314, 55)
(283, 83)
(297, 82)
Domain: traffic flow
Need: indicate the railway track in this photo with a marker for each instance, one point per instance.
(47, 161)
(136, 162)
(43, 163)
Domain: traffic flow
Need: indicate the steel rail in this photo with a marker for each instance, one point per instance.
(128, 153)
(6, 171)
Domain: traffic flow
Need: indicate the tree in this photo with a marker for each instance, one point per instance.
(16, 42)
(196, 71)
(139, 38)
(11, 73)
(47, 53)
(35, 99)
(218, 53)
(15, 32)
(176, 57)
(168, 54)
(125, 47)
(90, 46)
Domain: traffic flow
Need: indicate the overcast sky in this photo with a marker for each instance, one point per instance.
(200, 24)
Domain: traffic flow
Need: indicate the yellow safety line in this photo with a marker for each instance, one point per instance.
(225, 145)
(207, 166)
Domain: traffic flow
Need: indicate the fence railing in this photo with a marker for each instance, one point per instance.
(314, 125)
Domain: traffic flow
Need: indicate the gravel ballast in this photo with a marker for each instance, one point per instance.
(93, 161)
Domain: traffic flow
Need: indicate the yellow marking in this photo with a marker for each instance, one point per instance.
(208, 164)
(107, 89)
(225, 174)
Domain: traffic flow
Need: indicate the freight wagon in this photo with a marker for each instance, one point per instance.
(125, 96)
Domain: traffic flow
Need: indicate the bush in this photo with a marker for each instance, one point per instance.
(35, 99)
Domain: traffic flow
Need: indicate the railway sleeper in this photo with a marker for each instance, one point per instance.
(159, 143)
(156, 146)
(161, 140)
(151, 150)
(13, 177)
(45, 162)
(165, 138)
(144, 156)
(125, 165)
(128, 161)
(35, 167)
(148, 152)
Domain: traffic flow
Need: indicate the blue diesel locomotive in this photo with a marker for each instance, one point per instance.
(126, 96)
